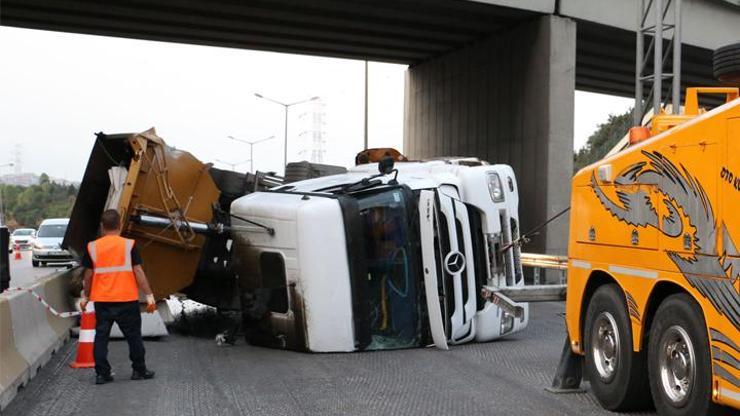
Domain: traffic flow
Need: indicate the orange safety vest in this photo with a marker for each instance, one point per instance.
(113, 274)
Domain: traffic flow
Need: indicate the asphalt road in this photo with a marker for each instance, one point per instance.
(196, 377)
(22, 272)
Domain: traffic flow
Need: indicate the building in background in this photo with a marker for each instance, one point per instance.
(20, 179)
(29, 178)
(312, 139)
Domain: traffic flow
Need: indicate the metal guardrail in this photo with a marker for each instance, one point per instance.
(508, 298)
(545, 261)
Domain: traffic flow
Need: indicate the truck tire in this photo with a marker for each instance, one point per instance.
(34, 263)
(727, 64)
(616, 373)
(679, 350)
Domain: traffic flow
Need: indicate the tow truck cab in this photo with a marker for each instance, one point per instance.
(367, 261)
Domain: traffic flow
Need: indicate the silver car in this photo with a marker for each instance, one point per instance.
(48, 245)
(23, 238)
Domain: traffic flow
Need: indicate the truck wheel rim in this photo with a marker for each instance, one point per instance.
(677, 363)
(606, 346)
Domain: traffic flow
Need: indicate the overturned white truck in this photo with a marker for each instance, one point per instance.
(367, 260)
(354, 261)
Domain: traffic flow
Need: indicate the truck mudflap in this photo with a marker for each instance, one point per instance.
(426, 228)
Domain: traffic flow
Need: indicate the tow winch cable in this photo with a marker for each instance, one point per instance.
(43, 302)
(526, 237)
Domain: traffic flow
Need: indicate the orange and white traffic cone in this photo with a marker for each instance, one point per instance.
(86, 339)
(17, 250)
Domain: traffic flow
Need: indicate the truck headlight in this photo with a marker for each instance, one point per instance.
(507, 323)
(495, 188)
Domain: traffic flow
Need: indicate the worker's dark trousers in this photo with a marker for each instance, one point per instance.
(128, 318)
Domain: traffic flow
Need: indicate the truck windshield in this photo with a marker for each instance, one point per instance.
(391, 270)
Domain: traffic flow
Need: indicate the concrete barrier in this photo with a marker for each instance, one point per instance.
(29, 333)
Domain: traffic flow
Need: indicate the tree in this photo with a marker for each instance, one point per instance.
(606, 136)
(28, 206)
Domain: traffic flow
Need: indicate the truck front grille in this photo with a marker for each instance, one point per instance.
(508, 259)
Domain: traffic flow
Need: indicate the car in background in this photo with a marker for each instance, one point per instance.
(48, 245)
(23, 237)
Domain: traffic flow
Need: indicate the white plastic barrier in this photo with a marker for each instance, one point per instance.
(30, 333)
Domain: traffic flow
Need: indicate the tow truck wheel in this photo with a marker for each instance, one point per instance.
(727, 64)
(679, 364)
(616, 373)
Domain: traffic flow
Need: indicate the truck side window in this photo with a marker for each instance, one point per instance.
(272, 268)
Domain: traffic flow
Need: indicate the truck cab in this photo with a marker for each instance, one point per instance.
(369, 261)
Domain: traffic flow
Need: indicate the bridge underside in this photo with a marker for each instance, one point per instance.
(407, 32)
(483, 80)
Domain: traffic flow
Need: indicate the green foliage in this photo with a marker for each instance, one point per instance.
(28, 206)
(606, 136)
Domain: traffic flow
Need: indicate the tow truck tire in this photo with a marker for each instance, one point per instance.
(727, 64)
(616, 373)
(678, 336)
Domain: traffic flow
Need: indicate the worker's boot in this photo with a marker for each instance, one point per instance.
(101, 379)
(139, 375)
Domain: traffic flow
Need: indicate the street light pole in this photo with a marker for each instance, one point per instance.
(285, 106)
(285, 145)
(233, 165)
(251, 147)
(365, 143)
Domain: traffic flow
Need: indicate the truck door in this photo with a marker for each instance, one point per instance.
(688, 188)
(457, 263)
(730, 195)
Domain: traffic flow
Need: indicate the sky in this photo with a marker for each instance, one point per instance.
(58, 89)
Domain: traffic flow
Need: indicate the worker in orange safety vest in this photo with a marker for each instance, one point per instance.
(112, 278)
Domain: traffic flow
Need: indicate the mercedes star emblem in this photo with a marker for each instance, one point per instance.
(454, 262)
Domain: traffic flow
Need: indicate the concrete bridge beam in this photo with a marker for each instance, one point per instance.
(507, 99)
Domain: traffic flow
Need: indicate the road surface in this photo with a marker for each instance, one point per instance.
(196, 377)
(22, 272)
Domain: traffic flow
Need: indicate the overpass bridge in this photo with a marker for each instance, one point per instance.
(491, 78)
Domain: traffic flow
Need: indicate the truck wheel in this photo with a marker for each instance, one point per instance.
(679, 363)
(34, 263)
(616, 373)
(727, 64)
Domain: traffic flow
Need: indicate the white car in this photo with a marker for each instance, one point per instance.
(23, 238)
(367, 260)
(48, 245)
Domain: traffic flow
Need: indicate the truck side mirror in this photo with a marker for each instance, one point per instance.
(385, 166)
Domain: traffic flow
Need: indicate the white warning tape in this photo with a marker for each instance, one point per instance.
(43, 302)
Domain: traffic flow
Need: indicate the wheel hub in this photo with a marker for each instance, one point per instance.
(677, 365)
(606, 346)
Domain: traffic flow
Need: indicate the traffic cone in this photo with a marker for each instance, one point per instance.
(17, 250)
(86, 339)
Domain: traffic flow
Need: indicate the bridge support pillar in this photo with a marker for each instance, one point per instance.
(507, 99)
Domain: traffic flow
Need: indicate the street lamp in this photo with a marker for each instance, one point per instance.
(233, 165)
(251, 148)
(2, 209)
(285, 148)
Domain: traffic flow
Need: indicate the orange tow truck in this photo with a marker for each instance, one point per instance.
(653, 292)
